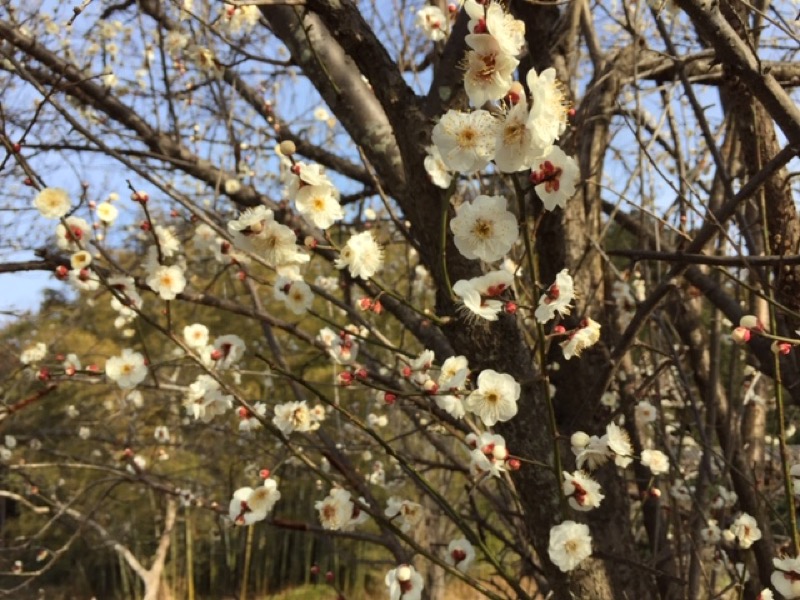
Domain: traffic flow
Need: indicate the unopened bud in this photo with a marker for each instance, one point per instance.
(287, 147)
(403, 573)
(579, 439)
(751, 322)
(781, 347)
(500, 452)
(741, 335)
(515, 93)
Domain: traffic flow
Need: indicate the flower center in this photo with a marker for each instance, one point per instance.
(318, 204)
(483, 229)
(513, 133)
(467, 138)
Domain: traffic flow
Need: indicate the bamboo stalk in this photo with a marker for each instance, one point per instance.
(248, 554)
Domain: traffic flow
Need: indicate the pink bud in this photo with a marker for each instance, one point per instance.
(741, 335)
(781, 347)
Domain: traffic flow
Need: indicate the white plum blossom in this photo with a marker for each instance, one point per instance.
(250, 420)
(404, 583)
(293, 416)
(490, 71)
(786, 577)
(335, 510)
(644, 412)
(549, 106)
(167, 282)
(488, 454)
(341, 347)
(656, 461)
(128, 369)
(250, 505)
(593, 454)
(226, 351)
(409, 514)
(451, 404)
(453, 373)
(71, 364)
(168, 242)
(436, 169)
(196, 335)
(619, 445)
(494, 20)
(161, 434)
(516, 147)
(465, 140)
(432, 22)
(556, 178)
(84, 280)
(52, 203)
(107, 212)
(301, 174)
(239, 19)
(338, 512)
(362, 255)
(484, 228)
(586, 336)
(257, 231)
(711, 534)
(80, 259)
(496, 397)
(72, 237)
(232, 186)
(319, 204)
(33, 354)
(556, 299)
(745, 529)
(295, 294)
(570, 544)
(460, 554)
(479, 294)
(205, 399)
(582, 492)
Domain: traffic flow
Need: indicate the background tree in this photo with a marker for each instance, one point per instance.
(683, 129)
